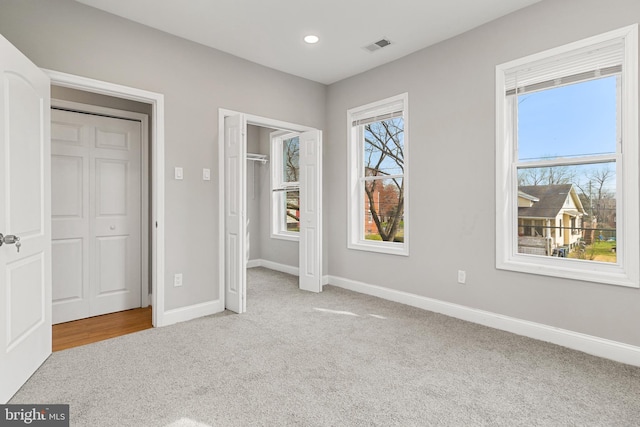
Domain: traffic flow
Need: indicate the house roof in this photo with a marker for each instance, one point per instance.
(551, 200)
(527, 196)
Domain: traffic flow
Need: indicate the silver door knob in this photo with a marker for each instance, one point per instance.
(10, 239)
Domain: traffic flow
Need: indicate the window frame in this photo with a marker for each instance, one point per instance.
(625, 272)
(278, 186)
(355, 163)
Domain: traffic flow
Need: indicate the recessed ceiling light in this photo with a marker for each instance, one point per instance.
(311, 39)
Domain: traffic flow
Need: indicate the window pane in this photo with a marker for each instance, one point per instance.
(384, 210)
(568, 211)
(384, 147)
(292, 211)
(291, 159)
(568, 121)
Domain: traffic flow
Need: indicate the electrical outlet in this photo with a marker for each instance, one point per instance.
(177, 279)
(462, 276)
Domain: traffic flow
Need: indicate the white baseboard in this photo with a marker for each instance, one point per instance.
(183, 314)
(254, 263)
(600, 347)
(289, 269)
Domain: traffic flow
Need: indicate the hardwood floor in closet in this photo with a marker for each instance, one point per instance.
(98, 328)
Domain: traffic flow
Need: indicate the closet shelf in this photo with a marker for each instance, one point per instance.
(262, 158)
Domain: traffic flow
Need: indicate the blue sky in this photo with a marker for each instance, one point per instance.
(389, 165)
(577, 119)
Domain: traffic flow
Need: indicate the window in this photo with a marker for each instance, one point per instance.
(378, 147)
(285, 188)
(567, 156)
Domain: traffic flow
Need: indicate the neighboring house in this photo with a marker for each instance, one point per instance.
(549, 217)
(385, 201)
(369, 224)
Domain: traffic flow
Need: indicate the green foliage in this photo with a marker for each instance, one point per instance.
(373, 237)
(398, 239)
(603, 248)
(598, 251)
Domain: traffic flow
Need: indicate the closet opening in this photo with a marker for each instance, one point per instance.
(271, 184)
(273, 199)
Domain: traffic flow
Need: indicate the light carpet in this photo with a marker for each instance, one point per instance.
(337, 358)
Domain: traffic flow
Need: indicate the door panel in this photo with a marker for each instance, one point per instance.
(66, 260)
(111, 186)
(96, 179)
(235, 199)
(67, 186)
(67, 133)
(311, 211)
(24, 288)
(112, 138)
(25, 276)
(111, 253)
(25, 176)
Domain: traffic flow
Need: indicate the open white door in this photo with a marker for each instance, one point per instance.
(235, 148)
(25, 275)
(311, 211)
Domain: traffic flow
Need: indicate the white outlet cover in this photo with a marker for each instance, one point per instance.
(206, 174)
(462, 276)
(178, 173)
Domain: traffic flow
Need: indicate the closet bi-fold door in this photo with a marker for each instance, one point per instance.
(96, 215)
(235, 147)
(310, 261)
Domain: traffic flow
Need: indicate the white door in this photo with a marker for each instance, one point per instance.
(310, 251)
(25, 276)
(235, 147)
(96, 212)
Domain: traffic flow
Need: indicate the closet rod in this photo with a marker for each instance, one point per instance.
(262, 158)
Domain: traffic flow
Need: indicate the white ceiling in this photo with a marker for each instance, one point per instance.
(270, 32)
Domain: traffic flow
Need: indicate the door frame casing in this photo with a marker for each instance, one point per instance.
(156, 100)
(250, 119)
(81, 108)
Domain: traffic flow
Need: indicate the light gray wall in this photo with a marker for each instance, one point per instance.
(451, 90)
(66, 36)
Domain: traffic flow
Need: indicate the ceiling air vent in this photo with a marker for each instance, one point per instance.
(378, 45)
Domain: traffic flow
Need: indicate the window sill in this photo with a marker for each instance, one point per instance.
(288, 236)
(401, 249)
(563, 268)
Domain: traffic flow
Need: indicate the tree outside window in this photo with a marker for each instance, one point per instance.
(285, 186)
(378, 176)
(384, 183)
(291, 170)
